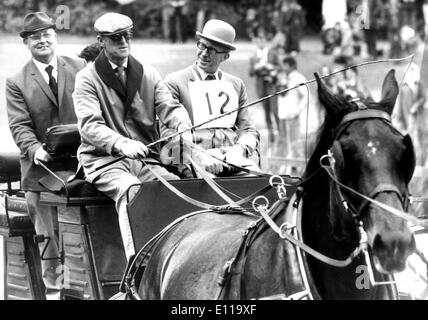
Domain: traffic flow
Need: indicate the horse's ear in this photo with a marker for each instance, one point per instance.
(409, 160)
(329, 100)
(389, 91)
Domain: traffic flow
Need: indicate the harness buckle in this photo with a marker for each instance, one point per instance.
(285, 227)
(280, 186)
(260, 201)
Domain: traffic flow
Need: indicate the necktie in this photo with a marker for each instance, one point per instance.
(120, 72)
(52, 82)
(210, 77)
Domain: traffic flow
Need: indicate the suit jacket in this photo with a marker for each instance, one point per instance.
(107, 111)
(32, 108)
(244, 130)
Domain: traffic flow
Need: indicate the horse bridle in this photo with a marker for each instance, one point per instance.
(336, 149)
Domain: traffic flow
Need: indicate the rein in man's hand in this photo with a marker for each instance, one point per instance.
(41, 155)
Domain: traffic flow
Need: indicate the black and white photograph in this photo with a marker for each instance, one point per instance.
(213, 154)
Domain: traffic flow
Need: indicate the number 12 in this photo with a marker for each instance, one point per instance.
(210, 110)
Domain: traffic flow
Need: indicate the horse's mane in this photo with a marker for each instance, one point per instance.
(324, 140)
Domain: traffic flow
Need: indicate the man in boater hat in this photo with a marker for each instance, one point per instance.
(38, 97)
(207, 92)
(117, 101)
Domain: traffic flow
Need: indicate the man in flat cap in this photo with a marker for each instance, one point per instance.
(117, 100)
(207, 92)
(38, 97)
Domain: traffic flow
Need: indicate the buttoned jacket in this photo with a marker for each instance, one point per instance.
(107, 111)
(32, 108)
(244, 130)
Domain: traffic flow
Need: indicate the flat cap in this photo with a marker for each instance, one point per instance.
(112, 23)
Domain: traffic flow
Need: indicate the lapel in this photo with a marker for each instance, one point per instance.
(106, 73)
(134, 75)
(62, 78)
(192, 78)
(37, 76)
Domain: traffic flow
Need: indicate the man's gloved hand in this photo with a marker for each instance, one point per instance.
(41, 156)
(132, 149)
(187, 136)
(210, 164)
(234, 154)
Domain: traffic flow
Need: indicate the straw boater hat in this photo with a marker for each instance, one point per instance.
(220, 32)
(34, 22)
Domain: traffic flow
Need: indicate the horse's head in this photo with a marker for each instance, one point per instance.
(374, 159)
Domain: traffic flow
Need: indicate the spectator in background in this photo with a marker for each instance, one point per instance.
(292, 22)
(264, 67)
(90, 52)
(251, 22)
(291, 103)
(347, 83)
(178, 21)
(371, 30)
(410, 111)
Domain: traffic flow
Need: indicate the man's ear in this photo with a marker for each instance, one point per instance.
(226, 56)
(100, 41)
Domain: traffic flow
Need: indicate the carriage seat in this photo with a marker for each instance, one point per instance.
(9, 166)
(15, 221)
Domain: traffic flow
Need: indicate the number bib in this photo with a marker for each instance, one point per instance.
(211, 99)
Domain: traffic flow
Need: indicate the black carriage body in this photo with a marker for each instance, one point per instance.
(93, 255)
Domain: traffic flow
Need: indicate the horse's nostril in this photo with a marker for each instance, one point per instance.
(378, 244)
(393, 247)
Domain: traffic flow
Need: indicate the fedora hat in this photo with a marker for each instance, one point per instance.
(220, 32)
(34, 22)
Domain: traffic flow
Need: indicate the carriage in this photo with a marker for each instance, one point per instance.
(252, 237)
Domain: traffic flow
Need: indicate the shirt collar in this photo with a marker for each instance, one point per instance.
(42, 66)
(114, 66)
(204, 74)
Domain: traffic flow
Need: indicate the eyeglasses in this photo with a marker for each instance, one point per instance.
(38, 37)
(118, 36)
(202, 46)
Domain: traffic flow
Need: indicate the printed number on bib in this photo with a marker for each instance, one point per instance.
(211, 99)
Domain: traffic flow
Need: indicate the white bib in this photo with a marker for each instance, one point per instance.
(211, 99)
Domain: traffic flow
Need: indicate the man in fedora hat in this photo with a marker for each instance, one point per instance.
(207, 92)
(117, 101)
(38, 97)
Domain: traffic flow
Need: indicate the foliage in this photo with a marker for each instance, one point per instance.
(147, 15)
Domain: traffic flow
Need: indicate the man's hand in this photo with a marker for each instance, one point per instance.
(187, 136)
(234, 154)
(210, 164)
(133, 149)
(41, 156)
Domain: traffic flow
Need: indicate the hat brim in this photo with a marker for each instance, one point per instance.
(26, 33)
(112, 33)
(217, 40)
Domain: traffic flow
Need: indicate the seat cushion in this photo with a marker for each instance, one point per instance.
(18, 224)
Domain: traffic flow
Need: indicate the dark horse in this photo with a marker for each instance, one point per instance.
(204, 256)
